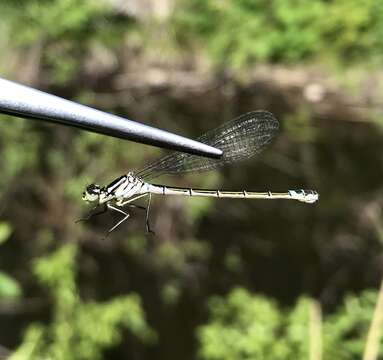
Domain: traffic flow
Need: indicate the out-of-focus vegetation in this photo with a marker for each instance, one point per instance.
(239, 33)
(180, 65)
(65, 29)
(79, 330)
(244, 326)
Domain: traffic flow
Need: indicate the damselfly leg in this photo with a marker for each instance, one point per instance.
(126, 216)
(92, 214)
(147, 215)
(118, 206)
(147, 209)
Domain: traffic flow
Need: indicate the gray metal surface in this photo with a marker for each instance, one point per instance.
(24, 101)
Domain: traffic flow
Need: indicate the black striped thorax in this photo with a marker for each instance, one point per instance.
(124, 186)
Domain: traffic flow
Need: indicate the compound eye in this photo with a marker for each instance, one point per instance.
(93, 189)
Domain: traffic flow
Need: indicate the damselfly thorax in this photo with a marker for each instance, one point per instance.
(239, 139)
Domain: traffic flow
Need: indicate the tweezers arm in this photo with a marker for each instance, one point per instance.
(23, 101)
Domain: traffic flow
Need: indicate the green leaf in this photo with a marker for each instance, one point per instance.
(5, 232)
(9, 287)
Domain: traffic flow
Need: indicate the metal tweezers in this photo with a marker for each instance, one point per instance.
(23, 101)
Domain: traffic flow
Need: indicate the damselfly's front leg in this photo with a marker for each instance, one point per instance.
(91, 213)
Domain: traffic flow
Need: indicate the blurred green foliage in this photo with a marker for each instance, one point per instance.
(55, 19)
(345, 331)
(65, 29)
(12, 160)
(239, 33)
(243, 326)
(247, 326)
(287, 31)
(5, 232)
(9, 287)
(44, 170)
(78, 329)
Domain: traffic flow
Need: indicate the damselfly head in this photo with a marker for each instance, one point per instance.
(92, 193)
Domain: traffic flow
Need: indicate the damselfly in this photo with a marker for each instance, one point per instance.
(239, 139)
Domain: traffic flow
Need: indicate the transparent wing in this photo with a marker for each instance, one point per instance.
(239, 139)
